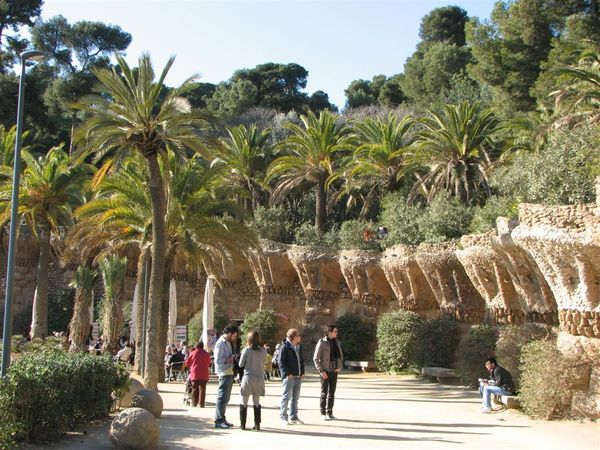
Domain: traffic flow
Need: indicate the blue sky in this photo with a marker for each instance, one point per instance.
(336, 41)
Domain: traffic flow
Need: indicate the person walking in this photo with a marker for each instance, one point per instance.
(223, 359)
(198, 362)
(291, 366)
(253, 380)
(328, 359)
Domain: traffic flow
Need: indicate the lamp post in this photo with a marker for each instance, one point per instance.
(30, 55)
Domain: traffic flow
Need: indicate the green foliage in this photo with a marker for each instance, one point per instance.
(49, 392)
(273, 224)
(562, 173)
(381, 90)
(400, 220)
(484, 217)
(546, 377)
(511, 341)
(445, 24)
(352, 235)
(479, 345)
(308, 234)
(397, 337)
(194, 328)
(263, 321)
(445, 218)
(437, 343)
(357, 337)
(60, 309)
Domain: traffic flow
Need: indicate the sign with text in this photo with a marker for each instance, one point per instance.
(180, 333)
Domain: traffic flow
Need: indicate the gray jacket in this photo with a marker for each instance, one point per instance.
(323, 353)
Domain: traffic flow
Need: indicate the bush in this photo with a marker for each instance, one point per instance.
(273, 224)
(400, 220)
(437, 343)
(479, 345)
(444, 218)
(351, 235)
(46, 393)
(397, 335)
(562, 173)
(194, 328)
(264, 321)
(357, 336)
(484, 217)
(511, 340)
(546, 377)
(60, 309)
(307, 234)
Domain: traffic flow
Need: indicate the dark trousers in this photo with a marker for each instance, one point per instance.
(198, 392)
(328, 392)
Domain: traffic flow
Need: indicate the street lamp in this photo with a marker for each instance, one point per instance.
(30, 55)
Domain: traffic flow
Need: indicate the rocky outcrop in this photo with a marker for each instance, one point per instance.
(408, 282)
(449, 282)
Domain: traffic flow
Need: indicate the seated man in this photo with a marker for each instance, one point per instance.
(500, 383)
(175, 363)
(124, 354)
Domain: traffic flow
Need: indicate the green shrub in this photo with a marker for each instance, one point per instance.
(194, 328)
(352, 235)
(400, 220)
(397, 335)
(60, 309)
(444, 218)
(546, 377)
(562, 173)
(48, 392)
(437, 343)
(264, 321)
(273, 224)
(484, 217)
(357, 337)
(511, 340)
(479, 345)
(307, 234)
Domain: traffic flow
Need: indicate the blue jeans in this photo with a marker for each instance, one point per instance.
(291, 393)
(223, 395)
(487, 391)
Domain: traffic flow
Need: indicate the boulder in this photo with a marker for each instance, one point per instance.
(134, 428)
(148, 399)
(135, 386)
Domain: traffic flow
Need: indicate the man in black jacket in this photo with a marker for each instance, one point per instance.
(291, 365)
(500, 383)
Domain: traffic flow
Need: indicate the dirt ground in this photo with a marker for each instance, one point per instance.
(374, 411)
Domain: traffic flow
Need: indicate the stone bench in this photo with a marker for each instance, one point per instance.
(365, 366)
(510, 401)
(441, 374)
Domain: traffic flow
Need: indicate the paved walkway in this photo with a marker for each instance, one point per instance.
(374, 411)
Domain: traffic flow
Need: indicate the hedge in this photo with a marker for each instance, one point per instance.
(49, 392)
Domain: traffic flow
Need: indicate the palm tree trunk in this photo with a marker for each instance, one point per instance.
(139, 312)
(154, 357)
(321, 207)
(39, 321)
(164, 312)
(113, 315)
(80, 322)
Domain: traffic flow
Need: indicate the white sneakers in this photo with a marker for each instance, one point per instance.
(296, 422)
(486, 410)
(327, 417)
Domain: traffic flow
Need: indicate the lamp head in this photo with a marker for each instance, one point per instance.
(33, 55)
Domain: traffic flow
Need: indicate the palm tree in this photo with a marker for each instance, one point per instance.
(133, 114)
(51, 186)
(245, 154)
(311, 155)
(580, 98)
(378, 159)
(113, 270)
(454, 146)
(79, 328)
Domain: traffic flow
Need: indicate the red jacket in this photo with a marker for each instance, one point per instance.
(199, 362)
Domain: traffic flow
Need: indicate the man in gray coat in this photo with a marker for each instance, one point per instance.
(328, 359)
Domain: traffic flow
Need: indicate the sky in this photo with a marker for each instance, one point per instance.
(336, 41)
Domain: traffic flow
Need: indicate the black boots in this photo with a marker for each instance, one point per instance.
(243, 415)
(257, 418)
